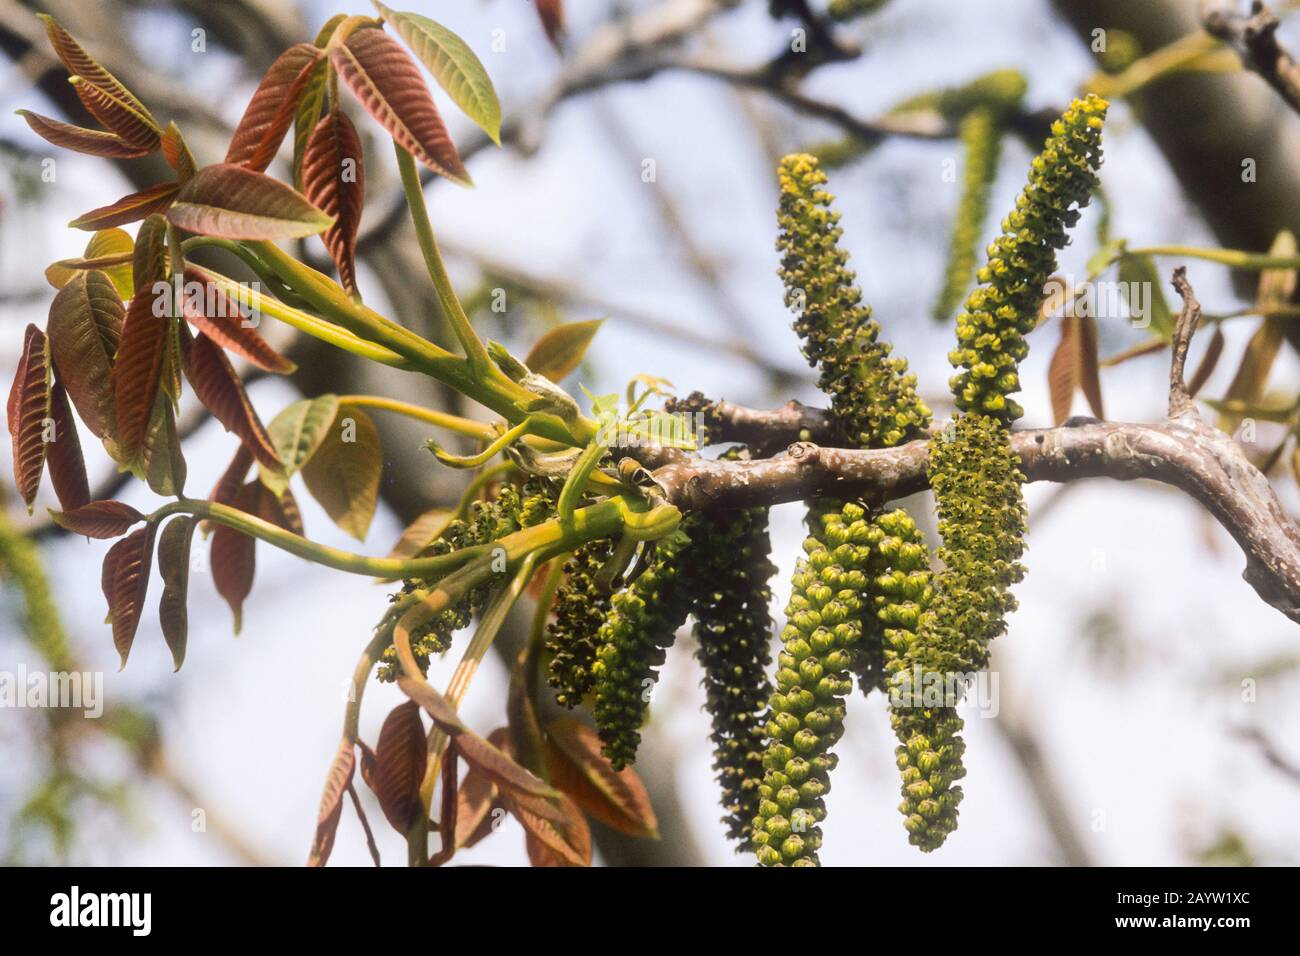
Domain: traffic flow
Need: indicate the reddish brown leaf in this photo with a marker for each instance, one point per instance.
(551, 13)
(177, 153)
(476, 803)
(400, 759)
(80, 63)
(368, 764)
(282, 511)
(60, 272)
(422, 532)
(225, 321)
(233, 557)
(63, 453)
(331, 803)
(125, 581)
(29, 413)
(557, 835)
(161, 461)
(577, 767)
(1061, 372)
(1209, 361)
(236, 203)
(98, 519)
(85, 327)
(117, 115)
(149, 257)
(447, 825)
(219, 389)
(476, 751)
(226, 490)
(137, 370)
(130, 208)
(272, 108)
(174, 567)
(334, 179)
(92, 141)
(388, 84)
(1086, 359)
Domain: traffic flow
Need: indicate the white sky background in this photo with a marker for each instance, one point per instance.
(1145, 757)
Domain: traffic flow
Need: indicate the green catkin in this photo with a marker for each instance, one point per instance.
(580, 607)
(981, 143)
(512, 509)
(20, 565)
(991, 329)
(872, 395)
(976, 476)
(824, 624)
(733, 631)
(641, 625)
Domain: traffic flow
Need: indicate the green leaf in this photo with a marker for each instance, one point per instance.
(343, 473)
(453, 64)
(232, 202)
(560, 351)
(1141, 271)
(296, 433)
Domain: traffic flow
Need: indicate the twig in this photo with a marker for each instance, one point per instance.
(1180, 401)
(1254, 37)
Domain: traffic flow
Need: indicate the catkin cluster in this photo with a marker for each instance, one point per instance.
(733, 635)
(872, 395)
(580, 607)
(513, 508)
(991, 329)
(819, 643)
(981, 144)
(633, 641)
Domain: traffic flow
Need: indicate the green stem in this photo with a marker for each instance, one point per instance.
(250, 259)
(1235, 258)
(454, 423)
(387, 568)
(495, 448)
(303, 321)
(475, 352)
(576, 484)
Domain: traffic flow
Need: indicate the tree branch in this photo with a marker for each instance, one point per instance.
(1254, 37)
(1185, 453)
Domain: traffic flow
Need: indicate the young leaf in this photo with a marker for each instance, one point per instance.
(331, 803)
(560, 351)
(453, 64)
(117, 115)
(563, 842)
(130, 208)
(400, 759)
(225, 321)
(233, 557)
(268, 115)
(219, 389)
(226, 490)
(422, 532)
(60, 273)
(79, 63)
(125, 581)
(137, 370)
(29, 413)
(63, 453)
(1251, 379)
(334, 179)
(161, 463)
(551, 13)
(1138, 274)
(388, 84)
(92, 141)
(232, 202)
(174, 567)
(296, 434)
(343, 473)
(476, 798)
(177, 153)
(1074, 366)
(99, 519)
(577, 767)
(307, 116)
(85, 327)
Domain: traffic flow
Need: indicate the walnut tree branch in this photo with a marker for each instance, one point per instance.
(1254, 37)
